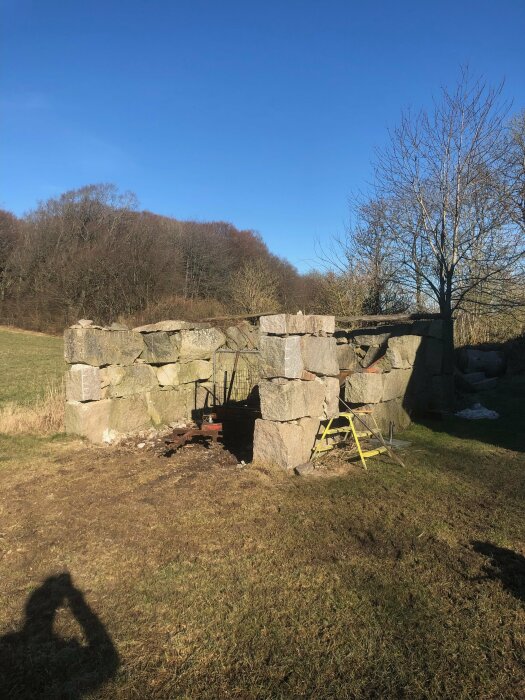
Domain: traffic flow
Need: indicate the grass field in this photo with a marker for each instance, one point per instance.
(193, 577)
(31, 362)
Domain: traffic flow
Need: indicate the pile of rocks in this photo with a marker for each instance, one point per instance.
(124, 381)
(393, 370)
(299, 386)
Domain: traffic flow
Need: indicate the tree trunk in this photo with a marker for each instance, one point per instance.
(447, 397)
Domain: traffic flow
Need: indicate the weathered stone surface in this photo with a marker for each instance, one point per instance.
(297, 324)
(373, 354)
(130, 380)
(433, 351)
(83, 383)
(90, 420)
(283, 324)
(195, 371)
(320, 355)
(160, 348)
(332, 389)
(364, 387)
(168, 375)
(370, 339)
(388, 411)
(395, 383)
(168, 405)
(244, 335)
(96, 347)
(169, 326)
(402, 351)
(304, 469)
(281, 357)
(346, 357)
(285, 400)
(200, 344)
(320, 325)
(492, 362)
(128, 415)
(284, 444)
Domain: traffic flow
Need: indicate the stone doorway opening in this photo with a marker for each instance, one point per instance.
(236, 376)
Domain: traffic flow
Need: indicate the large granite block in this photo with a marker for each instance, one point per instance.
(364, 387)
(83, 383)
(126, 381)
(128, 415)
(166, 406)
(89, 420)
(331, 399)
(200, 344)
(402, 351)
(281, 357)
(346, 357)
(160, 347)
(285, 400)
(92, 346)
(195, 371)
(320, 355)
(387, 412)
(395, 383)
(284, 444)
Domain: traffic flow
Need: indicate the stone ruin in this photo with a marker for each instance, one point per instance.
(307, 365)
(126, 381)
(122, 381)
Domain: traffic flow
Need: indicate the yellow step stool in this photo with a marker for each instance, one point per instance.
(346, 429)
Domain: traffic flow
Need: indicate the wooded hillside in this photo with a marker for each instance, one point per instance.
(92, 253)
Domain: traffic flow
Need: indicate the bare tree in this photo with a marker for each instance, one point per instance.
(254, 287)
(444, 175)
(516, 163)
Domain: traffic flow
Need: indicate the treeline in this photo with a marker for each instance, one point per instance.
(91, 253)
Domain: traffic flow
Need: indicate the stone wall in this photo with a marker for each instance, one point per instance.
(124, 381)
(299, 386)
(393, 370)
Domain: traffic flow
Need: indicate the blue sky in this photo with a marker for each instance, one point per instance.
(265, 114)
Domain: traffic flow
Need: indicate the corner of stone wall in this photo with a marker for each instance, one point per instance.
(299, 386)
(124, 381)
(393, 370)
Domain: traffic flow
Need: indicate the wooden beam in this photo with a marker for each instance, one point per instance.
(389, 317)
(237, 318)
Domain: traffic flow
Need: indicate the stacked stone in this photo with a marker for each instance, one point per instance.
(125, 381)
(299, 386)
(393, 370)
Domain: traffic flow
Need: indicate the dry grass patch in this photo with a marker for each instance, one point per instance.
(43, 417)
(216, 581)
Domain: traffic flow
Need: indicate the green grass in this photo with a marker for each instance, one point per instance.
(30, 363)
(220, 582)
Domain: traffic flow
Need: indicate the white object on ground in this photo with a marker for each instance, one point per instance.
(476, 412)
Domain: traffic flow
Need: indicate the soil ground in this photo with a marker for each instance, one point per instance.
(127, 574)
(215, 579)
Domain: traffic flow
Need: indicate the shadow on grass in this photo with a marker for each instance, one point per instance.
(505, 565)
(37, 663)
(507, 431)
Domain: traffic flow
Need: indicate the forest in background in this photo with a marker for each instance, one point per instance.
(442, 229)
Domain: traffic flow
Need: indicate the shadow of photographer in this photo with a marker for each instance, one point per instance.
(37, 663)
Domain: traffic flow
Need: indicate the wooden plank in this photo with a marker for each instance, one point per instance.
(239, 317)
(388, 317)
